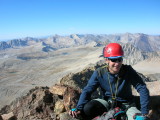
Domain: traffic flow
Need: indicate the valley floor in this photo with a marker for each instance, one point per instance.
(17, 76)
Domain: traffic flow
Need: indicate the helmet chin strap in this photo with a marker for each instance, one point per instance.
(113, 72)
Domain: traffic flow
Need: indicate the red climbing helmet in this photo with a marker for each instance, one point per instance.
(113, 50)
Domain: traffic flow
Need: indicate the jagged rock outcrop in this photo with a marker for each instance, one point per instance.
(33, 106)
(40, 103)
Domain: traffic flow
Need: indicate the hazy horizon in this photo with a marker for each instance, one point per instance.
(5, 40)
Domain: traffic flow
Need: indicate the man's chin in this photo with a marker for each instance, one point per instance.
(116, 70)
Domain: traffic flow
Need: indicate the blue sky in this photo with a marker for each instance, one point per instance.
(36, 18)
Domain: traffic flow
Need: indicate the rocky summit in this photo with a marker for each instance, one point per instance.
(54, 103)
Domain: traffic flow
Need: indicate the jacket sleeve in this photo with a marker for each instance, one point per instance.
(88, 90)
(141, 88)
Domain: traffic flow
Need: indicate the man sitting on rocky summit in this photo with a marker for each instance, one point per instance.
(115, 80)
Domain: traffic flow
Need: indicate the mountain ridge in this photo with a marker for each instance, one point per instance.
(144, 42)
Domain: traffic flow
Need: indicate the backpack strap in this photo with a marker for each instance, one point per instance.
(102, 70)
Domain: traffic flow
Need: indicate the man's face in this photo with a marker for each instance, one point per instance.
(114, 65)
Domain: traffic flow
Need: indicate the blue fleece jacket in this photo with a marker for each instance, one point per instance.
(127, 77)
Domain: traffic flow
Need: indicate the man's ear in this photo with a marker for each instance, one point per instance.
(107, 61)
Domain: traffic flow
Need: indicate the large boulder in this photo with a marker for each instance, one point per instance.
(9, 116)
(70, 98)
(59, 107)
(69, 95)
(58, 89)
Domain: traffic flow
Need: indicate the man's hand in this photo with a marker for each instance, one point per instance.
(74, 113)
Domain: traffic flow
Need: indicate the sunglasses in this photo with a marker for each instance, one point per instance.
(116, 59)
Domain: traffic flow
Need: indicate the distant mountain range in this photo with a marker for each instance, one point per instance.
(143, 42)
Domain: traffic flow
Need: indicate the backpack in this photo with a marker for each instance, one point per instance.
(113, 114)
